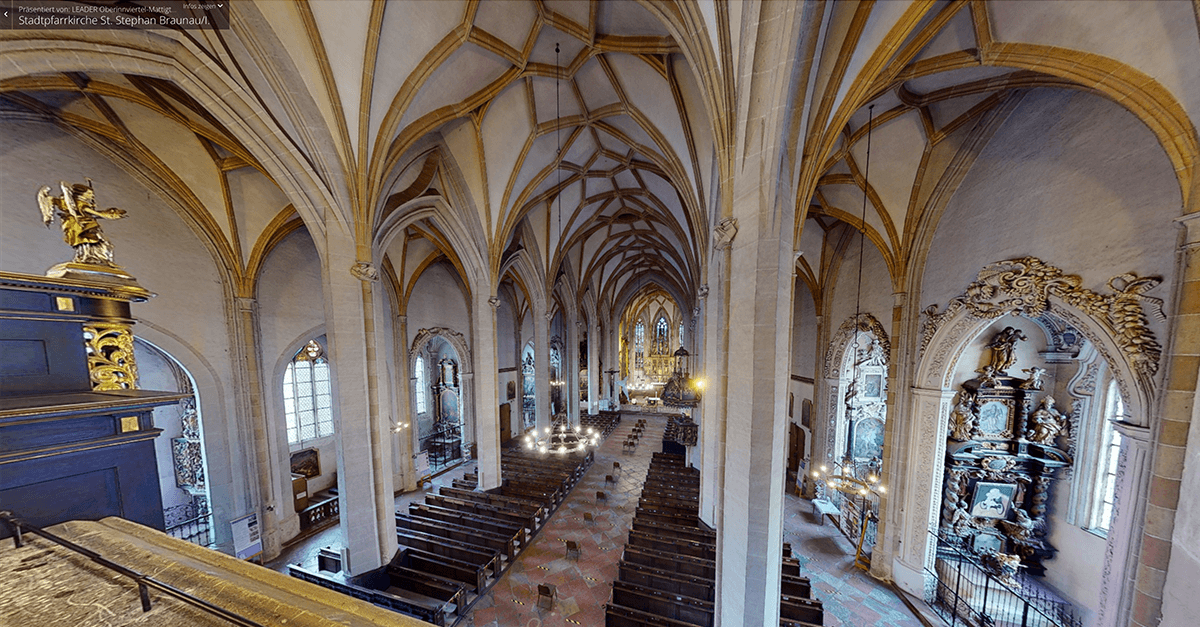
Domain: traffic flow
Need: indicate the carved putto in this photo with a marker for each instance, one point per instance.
(76, 211)
(1034, 382)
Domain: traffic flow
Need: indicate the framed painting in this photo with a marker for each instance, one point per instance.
(993, 500)
(306, 462)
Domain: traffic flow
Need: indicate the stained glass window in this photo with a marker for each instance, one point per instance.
(307, 395)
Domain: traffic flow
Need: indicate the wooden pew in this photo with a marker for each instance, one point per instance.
(621, 616)
(695, 534)
(467, 520)
(474, 577)
(445, 590)
(417, 605)
(450, 548)
(677, 546)
(796, 586)
(667, 517)
(665, 604)
(506, 544)
(483, 510)
(667, 581)
(804, 610)
(524, 506)
(687, 565)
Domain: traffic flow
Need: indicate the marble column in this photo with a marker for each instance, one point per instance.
(541, 368)
(486, 389)
(360, 411)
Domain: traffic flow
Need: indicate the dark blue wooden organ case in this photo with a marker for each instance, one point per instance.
(68, 452)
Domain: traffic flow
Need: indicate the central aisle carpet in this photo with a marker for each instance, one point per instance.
(584, 585)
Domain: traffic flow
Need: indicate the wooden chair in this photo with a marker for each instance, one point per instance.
(601, 496)
(609, 479)
(588, 517)
(546, 594)
(616, 467)
(572, 549)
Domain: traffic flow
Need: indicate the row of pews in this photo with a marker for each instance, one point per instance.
(604, 422)
(456, 543)
(666, 576)
(797, 607)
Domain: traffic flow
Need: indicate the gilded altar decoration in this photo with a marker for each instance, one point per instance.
(110, 356)
(1025, 285)
(76, 211)
(1002, 456)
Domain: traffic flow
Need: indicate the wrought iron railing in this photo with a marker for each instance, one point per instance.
(968, 594)
(190, 522)
(144, 582)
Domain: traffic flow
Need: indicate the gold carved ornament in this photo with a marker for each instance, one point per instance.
(1024, 286)
(110, 356)
(76, 210)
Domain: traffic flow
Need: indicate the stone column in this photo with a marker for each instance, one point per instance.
(405, 476)
(886, 542)
(922, 476)
(593, 364)
(750, 526)
(571, 369)
(541, 364)
(278, 518)
(360, 411)
(1133, 474)
(1172, 525)
(486, 388)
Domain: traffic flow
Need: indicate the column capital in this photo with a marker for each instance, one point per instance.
(402, 318)
(1191, 224)
(495, 303)
(724, 233)
(549, 316)
(702, 293)
(899, 298)
(247, 304)
(364, 271)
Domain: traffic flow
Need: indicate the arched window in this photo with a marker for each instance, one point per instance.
(680, 333)
(639, 336)
(662, 334)
(1106, 467)
(307, 396)
(421, 395)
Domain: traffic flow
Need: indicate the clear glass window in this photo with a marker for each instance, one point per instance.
(308, 395)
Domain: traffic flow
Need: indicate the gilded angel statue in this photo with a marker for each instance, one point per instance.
(77, 211)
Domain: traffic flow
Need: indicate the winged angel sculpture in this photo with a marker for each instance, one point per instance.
(76, 210)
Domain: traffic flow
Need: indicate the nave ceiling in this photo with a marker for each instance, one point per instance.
(386, 105)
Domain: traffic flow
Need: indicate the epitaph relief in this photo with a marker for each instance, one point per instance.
(1006, 443)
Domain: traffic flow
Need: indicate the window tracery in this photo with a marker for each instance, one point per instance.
(307, 395)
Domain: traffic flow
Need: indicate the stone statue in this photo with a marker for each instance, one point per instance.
(76, 210)
(871, 355)
(1020, 530)
(963, 418)
(1045, 423)
(1004, 349)
(1002, 566)
(1034, 382)
(962, 523)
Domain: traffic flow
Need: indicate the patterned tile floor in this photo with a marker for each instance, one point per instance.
(851, 597)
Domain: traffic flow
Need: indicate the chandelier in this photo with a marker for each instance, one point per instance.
(562, 440)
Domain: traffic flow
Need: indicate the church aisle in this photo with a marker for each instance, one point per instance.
(583, 585)
(850, 596)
